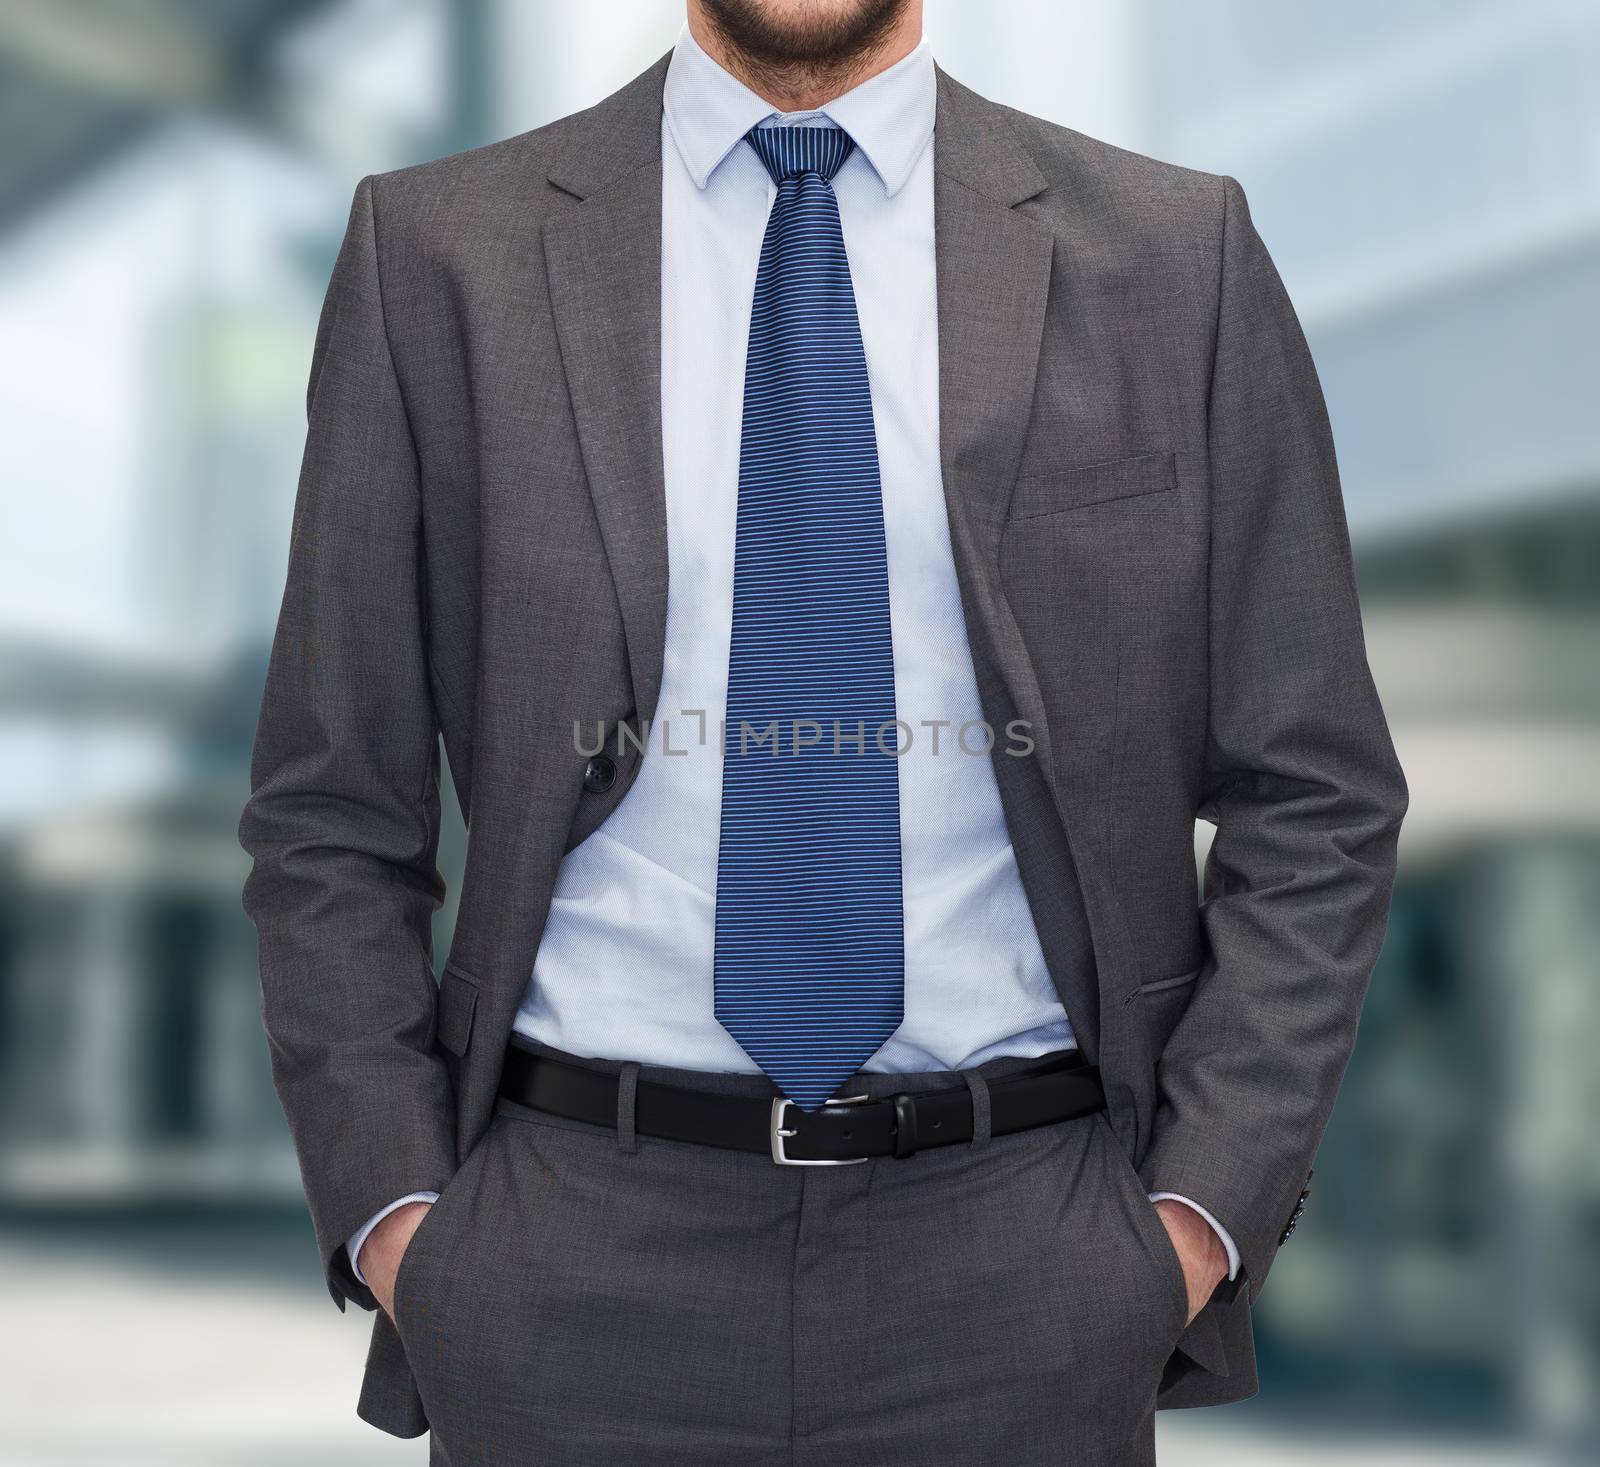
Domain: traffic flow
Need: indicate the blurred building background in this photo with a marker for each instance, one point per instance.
(174, 178)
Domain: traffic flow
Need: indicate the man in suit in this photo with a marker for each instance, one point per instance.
(845, 531)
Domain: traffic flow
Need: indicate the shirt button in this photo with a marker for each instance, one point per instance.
(599, 774)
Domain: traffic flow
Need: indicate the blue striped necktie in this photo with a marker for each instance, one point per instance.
(810, 955)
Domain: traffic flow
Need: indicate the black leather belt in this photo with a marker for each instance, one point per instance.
(851, 1128)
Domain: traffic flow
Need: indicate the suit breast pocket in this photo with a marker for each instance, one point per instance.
(1075, 486)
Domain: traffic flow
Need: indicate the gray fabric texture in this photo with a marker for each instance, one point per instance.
(1010, 1304)
(1155, 573)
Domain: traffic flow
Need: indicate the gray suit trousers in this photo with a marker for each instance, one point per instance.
(586, 1296)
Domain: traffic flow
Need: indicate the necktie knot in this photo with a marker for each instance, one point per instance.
(788, 152)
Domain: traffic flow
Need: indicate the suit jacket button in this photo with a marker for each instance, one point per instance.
(599, 774)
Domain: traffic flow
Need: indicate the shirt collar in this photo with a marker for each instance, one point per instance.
(889, 116)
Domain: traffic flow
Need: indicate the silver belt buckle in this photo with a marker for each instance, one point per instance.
(780, 1107)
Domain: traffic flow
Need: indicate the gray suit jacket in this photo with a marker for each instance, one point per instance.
(1154, 568)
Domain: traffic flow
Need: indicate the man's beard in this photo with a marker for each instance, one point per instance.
(828, 46)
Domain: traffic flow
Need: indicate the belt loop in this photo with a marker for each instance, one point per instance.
(905, 1126)
(627, 1091)
(980, 1106)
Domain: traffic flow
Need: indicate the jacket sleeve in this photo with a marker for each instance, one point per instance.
(342, 822)
(1301, 781)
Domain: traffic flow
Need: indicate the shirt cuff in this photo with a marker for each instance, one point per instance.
(1216, 1227)
(357, 1238)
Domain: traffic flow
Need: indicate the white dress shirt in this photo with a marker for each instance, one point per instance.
(624, 967)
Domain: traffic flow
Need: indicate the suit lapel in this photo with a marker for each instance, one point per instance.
(603, 259)
(993, 267)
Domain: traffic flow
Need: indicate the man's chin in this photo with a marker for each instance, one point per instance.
(803, 32)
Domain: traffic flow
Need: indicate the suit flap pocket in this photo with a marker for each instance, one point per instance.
(1071, 488)
(458, 1002)
(1177, 980)
(1163, 1002)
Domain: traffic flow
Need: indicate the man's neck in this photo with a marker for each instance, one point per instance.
(803, 86)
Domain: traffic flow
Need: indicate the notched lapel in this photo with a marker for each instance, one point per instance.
(603, 259)
(993, 267)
